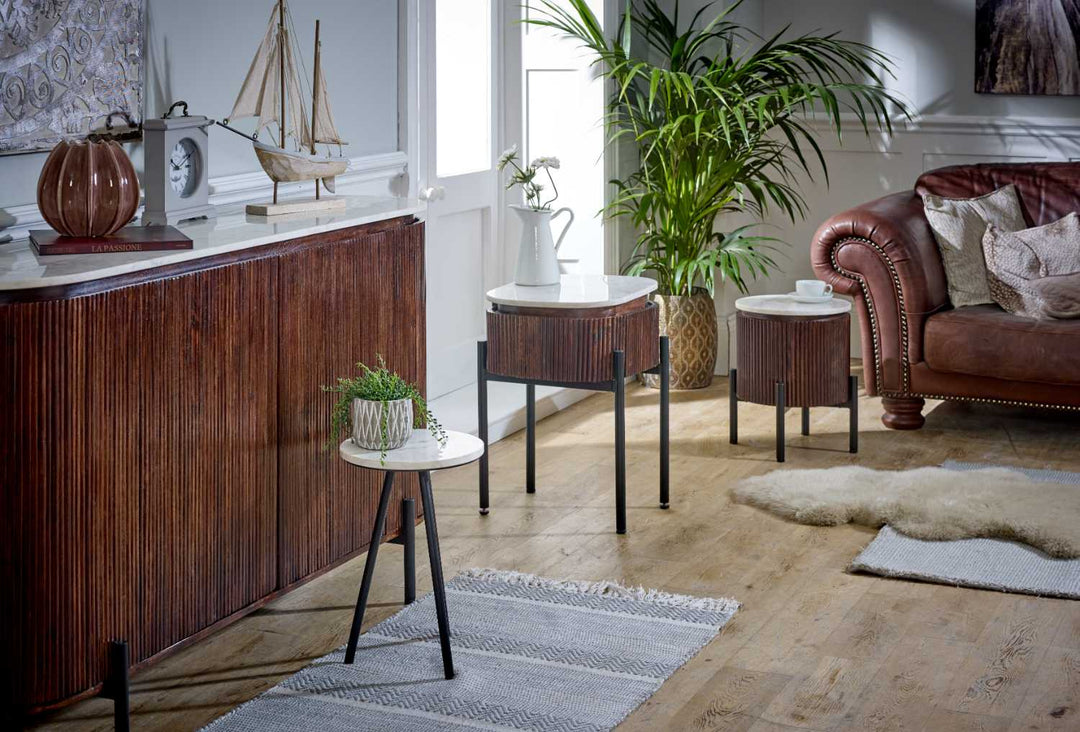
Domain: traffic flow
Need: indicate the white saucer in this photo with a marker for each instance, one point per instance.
(810, 299)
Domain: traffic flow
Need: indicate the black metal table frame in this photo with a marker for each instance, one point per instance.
(408, 539)
(852, 405)
(617, 385)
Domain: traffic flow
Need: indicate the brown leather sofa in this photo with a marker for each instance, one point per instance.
(916, 346)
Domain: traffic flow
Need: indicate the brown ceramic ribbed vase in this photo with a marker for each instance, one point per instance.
(88, 189)
(690, 325)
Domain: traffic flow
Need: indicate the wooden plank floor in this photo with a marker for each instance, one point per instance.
(813, 646)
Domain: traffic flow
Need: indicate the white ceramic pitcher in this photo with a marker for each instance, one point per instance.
(537, 262)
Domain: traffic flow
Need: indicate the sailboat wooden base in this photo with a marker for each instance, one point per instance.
(296, 205)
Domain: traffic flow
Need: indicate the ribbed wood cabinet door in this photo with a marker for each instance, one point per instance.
(208, 500)
(139, 469)
(354, 296)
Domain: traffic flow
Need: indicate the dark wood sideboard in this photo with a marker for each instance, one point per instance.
(161, 438)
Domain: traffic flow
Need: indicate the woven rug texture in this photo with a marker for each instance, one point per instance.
(530, 654)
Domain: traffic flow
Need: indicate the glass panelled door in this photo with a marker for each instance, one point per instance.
(458, 96)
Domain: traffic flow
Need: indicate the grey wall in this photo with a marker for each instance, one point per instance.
(932, 42)
(200, 51)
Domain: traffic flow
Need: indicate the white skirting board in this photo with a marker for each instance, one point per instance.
(506, 407)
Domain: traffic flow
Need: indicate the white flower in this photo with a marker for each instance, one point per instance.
(507, 155)
(545, 162)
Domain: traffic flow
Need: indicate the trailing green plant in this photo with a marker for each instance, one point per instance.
(378, 385)
(721, 121)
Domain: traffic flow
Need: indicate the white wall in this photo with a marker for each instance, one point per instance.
(200, 51)
(933, 45)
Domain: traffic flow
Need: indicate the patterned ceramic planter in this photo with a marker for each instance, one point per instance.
(690, 325)
(367, 420)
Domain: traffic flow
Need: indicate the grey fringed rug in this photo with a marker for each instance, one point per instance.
(530, 654)
(983, 563)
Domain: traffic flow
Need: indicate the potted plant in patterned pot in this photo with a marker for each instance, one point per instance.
(718, 120)
(376, 409)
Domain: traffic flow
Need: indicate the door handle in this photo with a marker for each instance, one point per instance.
(432, 193)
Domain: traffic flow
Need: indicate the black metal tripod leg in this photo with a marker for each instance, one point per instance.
(806, 420)
(117, 685)
(369, 566)
(482, 420)
(665, 423)
(530, 438)
(781, 407)
(733, 407)
(408, 535)
(436, 573)
(619, 363)
(853, 414)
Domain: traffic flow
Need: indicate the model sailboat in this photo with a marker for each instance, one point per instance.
(274, 94)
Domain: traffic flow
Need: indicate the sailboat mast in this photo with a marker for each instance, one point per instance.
(281, 75)
(315, 99)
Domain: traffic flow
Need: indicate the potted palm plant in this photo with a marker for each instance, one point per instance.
(376, 409)
(720, 120)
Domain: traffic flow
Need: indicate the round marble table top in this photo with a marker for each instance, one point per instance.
(782, 305)
(421, 452)
(575, 291)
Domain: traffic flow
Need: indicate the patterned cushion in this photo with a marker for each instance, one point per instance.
(1036, 272)
(958, 225)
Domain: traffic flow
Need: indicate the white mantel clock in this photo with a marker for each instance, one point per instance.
(176, 171)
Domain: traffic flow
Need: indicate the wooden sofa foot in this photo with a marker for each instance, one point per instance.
(903, 414)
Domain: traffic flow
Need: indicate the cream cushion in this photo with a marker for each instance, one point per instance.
(1036, 272)
(959, 225)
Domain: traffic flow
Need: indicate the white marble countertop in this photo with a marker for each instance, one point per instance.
(231, 230)
(575, 291)
(788, 305)
(421, 452)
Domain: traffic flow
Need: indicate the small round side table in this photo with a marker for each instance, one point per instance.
(793, 354)
(422, 454)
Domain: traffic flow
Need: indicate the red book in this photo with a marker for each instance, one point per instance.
(127, 239)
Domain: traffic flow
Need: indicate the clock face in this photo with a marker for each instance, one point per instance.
(184, 165)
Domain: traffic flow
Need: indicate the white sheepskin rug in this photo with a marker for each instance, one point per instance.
(926, 503)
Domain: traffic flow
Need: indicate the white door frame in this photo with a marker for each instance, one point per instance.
(451, 196)
(613, 12)
(413, 126)
(409, 120)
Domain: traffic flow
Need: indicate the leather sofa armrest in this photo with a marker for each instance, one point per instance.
(883, 254)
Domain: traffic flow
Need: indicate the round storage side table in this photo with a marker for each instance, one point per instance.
(793, 354)
(587, 332)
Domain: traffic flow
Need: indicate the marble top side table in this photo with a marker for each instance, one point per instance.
(588, 332)
(421, 454)
(793, 354)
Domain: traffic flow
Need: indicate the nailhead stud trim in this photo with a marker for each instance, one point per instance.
(870, 307)
(904, 361)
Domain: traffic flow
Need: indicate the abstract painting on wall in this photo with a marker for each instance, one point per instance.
(65, 66)
(1027, 47)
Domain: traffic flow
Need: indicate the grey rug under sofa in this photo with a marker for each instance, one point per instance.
(992, 564)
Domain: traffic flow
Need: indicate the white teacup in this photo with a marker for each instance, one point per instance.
(813, 288)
